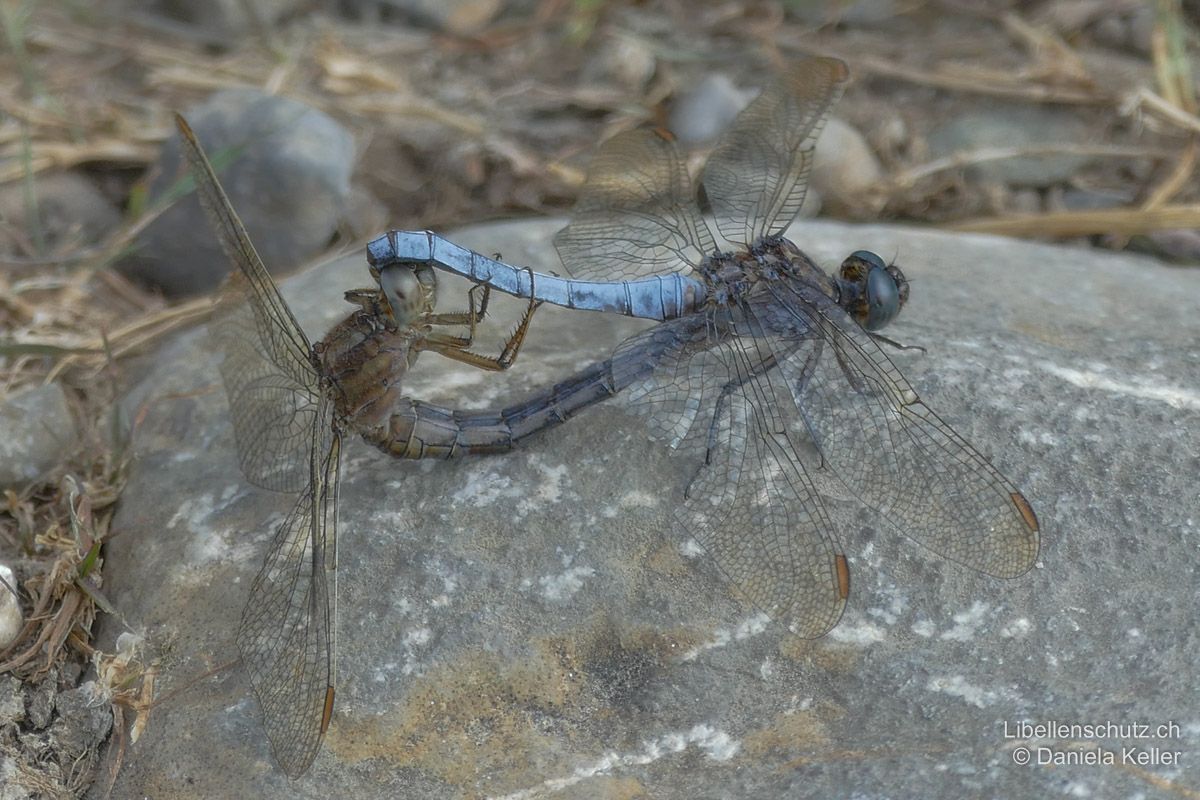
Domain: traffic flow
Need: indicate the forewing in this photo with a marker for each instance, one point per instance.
(636, 214)
(288, 628)
(892, 451)
(266, 362)
(715, 399)
(757, 176)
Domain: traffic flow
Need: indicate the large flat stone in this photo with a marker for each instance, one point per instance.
(530, 625)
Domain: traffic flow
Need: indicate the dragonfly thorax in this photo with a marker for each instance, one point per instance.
(730, 276)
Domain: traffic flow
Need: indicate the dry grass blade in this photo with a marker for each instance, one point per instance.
(67, 520)
(60, 155)
(1047, 47)
(1145, 99)
(1179, 178)
(1171, 65)
(909, 177)
(133, 337)
(954, 77)
(1120, 221)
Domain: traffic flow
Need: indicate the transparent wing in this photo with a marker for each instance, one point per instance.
(888, 446)
(288, 627)
(266, 363)
(637, 213)
(757, 176)
(716, 400)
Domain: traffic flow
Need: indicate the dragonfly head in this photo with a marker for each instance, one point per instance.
(409, 292)
(877, 291)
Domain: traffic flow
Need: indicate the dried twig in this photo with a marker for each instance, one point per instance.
(1126, 221)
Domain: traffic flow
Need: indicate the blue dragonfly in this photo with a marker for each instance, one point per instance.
(765, 373)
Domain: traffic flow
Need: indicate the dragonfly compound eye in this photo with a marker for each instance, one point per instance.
(874, 261)
(883, 297)
(403, 291)
(875, 292)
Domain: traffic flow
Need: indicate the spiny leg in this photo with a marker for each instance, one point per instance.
(469, 317)
(720, 407)
(454, 347)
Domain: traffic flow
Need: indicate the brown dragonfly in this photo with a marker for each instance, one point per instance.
(291, 403)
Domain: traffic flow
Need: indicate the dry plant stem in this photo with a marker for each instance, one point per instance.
(909, 177)
(1171, 66)
(1144, 98)
(1047, 47)
(50, 638)
(61, 156)
(134, 336)
(114, 768)
(993, 83)
(1121, 221)
(1179, 178)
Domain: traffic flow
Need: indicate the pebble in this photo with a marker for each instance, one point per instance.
(289, 185)
(845, 170)
(703, 112)
(71, 213)
(11, 618)
(35, 430)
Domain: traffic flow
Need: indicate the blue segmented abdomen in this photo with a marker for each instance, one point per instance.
(659, 297)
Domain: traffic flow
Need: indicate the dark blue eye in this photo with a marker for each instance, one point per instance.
(883, 295)
(869, 257)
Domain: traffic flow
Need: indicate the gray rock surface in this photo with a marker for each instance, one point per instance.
(530, 626)
(35, 428)
(286, 167)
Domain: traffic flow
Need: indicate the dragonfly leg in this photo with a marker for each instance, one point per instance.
(892, 342)
(800, 386)
(455, 347)
(469, 317)
(720, 408)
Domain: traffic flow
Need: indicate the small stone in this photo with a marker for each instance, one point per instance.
(623, 59)
(11, 618)
(71, 213)
(856, 13)
(226, 21)
(462, 17)
(39, 705)
(288, 184)
(1074, 199)
(83, 721)
(12, 701)
(1179, 245)
(702, 113)
(35, 430)
(845, 170)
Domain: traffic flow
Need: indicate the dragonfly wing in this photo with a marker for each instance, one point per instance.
(714, 397)
(757, 176)
(288, 628)
(891, 449)
(636, 214)
(266, 363)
